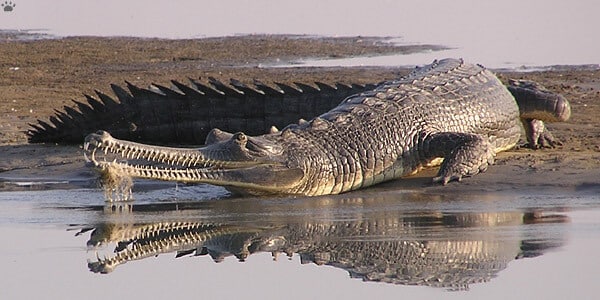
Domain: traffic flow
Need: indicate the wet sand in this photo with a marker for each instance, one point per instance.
(38, 77)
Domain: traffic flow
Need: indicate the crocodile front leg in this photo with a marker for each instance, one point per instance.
(464, 154)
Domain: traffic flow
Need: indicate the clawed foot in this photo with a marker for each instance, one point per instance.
(538, 136)
(457, 173)
(545, 140)
(466, 160)
(445, 179)
(464, 155)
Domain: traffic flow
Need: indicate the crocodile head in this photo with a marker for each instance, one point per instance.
(244, 164)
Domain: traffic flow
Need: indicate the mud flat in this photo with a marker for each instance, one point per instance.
(43, 75)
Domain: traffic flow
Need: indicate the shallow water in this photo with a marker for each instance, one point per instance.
(537, 245)
(380, 241)
(498, 34)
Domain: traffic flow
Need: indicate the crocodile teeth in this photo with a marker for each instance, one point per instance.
(94, 155)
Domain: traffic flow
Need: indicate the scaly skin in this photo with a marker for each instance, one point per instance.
(452, 110)
(435, 249)
(184, 115)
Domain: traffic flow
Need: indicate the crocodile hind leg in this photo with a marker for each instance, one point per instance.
(464, 154)
(538, 135)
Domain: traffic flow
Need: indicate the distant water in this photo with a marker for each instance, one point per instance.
(498, 34)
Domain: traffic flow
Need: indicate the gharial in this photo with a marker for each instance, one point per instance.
(462, 257)
(449, 109)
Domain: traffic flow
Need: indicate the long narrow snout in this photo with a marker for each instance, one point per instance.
(231, 163)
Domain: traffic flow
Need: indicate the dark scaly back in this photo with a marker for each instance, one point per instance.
(184, 114)
(378, 135)
(459, 97)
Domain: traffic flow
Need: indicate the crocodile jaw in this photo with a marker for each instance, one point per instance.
(226, 164)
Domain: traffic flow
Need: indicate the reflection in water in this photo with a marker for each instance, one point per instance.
(450, 250)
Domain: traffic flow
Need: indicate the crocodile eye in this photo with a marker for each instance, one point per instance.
(241, 137)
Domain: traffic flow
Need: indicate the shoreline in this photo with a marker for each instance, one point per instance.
(40, 76)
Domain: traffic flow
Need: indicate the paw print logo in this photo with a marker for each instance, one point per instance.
(8, 6)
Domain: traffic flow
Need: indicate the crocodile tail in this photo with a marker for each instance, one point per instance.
(537, 102)
(184, 114)
(69, 126)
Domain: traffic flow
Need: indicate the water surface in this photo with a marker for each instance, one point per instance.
(498, 34)
(380, 241)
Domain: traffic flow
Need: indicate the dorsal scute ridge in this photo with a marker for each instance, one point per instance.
(443, 72)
